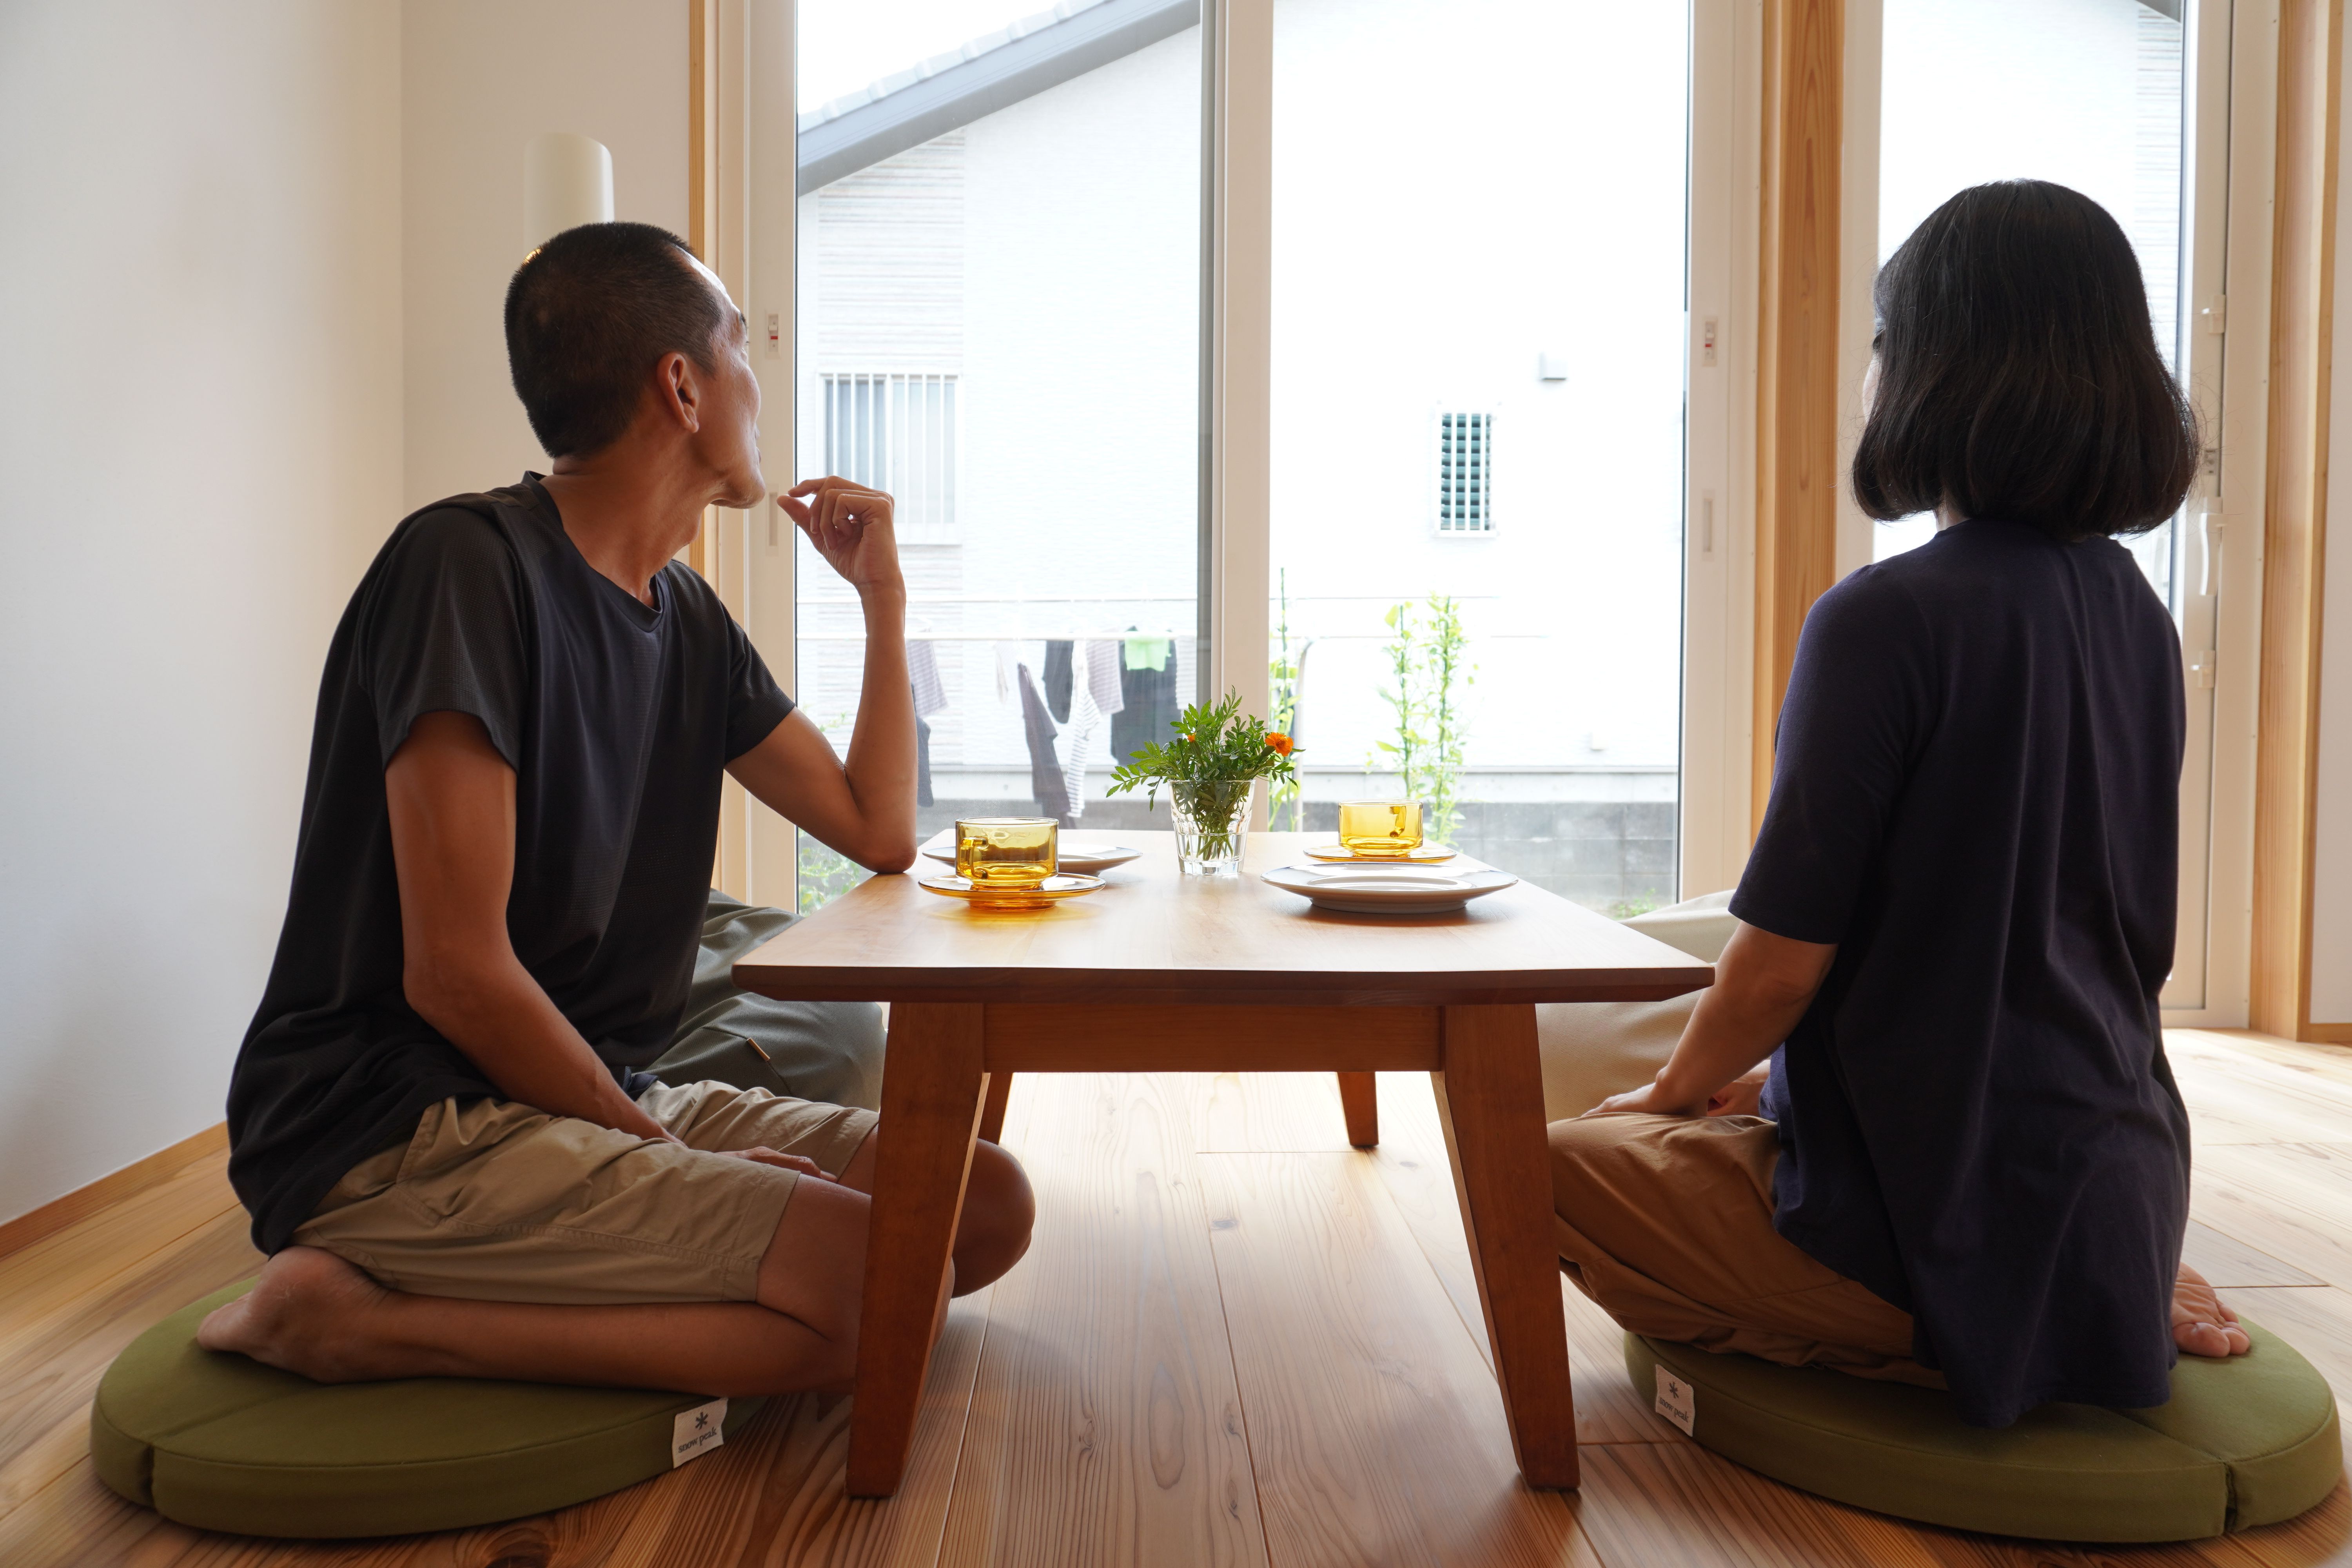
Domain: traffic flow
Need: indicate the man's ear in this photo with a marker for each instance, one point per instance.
(679, 387)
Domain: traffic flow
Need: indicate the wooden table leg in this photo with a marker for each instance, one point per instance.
(992, 1110)
(1490, 1098)
(931, 1111)
(1360, 1098)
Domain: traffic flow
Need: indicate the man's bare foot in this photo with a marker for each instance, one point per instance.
(307, 1313)
(2201, 1325)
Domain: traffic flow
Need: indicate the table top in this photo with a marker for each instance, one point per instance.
(1153, 935)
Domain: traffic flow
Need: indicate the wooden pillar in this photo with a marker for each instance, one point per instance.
(702, 177)
(717, 216)
(2286, 776)
(1797, 476)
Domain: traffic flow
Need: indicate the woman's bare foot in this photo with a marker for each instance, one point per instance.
(310, 1314)
(2201, 1325)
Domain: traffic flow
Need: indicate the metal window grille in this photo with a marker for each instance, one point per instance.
(896, 432)
(1466, 473)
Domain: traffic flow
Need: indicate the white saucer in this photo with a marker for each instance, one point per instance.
(1389, 890)
(1079, 857)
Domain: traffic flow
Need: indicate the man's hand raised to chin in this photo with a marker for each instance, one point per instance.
(852, 526)
(861, 804)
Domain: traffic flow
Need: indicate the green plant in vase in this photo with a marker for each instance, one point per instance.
(1217, 754)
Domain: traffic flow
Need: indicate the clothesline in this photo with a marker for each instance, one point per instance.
(1123, 636)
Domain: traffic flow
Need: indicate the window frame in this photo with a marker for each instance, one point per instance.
(1480, 469)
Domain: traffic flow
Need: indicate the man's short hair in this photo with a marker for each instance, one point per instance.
(589, 314)
(2019, 377)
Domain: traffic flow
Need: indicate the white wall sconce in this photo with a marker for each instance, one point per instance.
(567, 180)
(1551, 366)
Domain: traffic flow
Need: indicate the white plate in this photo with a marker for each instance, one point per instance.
(1079, 857)
(1387, 890)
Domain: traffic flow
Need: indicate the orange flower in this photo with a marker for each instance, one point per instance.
(1279, 741)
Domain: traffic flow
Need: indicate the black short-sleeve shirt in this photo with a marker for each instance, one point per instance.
(1975, 794)
(618, 718)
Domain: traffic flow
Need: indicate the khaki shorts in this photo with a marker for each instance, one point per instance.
(500, 1202)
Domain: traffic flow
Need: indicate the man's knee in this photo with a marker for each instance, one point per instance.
(999, 1212)
(814, 1267)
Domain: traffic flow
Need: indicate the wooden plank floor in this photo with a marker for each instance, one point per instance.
(1236, 1341)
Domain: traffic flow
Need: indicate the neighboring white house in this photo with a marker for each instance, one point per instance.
(1478, 364)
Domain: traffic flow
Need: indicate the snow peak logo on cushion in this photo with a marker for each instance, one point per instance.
(704, 1427)
(1676, 1400)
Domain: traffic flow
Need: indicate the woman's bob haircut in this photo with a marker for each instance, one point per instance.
(2018, 375)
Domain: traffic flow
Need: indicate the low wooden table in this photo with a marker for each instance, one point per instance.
(1163, 972)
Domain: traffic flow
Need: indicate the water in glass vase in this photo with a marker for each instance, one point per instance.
(1211, 821)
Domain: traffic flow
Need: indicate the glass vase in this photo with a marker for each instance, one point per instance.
(1210, 819)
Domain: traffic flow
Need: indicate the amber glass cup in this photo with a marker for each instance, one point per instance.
(1007, 851)
(1381, 829)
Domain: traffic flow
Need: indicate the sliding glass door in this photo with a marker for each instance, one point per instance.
(998, 319)
(2125, 101)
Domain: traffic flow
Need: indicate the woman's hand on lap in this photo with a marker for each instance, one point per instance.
(1656, 1098)
(1743, 1096)
(1653, 1098)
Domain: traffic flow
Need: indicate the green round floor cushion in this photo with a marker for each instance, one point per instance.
(222, 1442)
(2244, 1442)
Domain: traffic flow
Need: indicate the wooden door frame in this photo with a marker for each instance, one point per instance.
(2310, 36)
(719, 213)
(1800, 254)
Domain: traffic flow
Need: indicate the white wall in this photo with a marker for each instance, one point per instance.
(199, 438)
(478, 80)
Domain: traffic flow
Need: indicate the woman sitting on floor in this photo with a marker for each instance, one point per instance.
(1965, 1162)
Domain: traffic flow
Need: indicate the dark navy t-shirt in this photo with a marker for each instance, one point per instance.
(1975, 795)
(618, 718)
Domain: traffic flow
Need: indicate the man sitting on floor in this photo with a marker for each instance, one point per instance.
(438, 1120)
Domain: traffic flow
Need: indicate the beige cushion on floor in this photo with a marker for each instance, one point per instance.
(1594, 1049)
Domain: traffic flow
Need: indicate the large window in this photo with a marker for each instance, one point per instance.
(1478, 425)
(1489, 396)
(999, 319)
